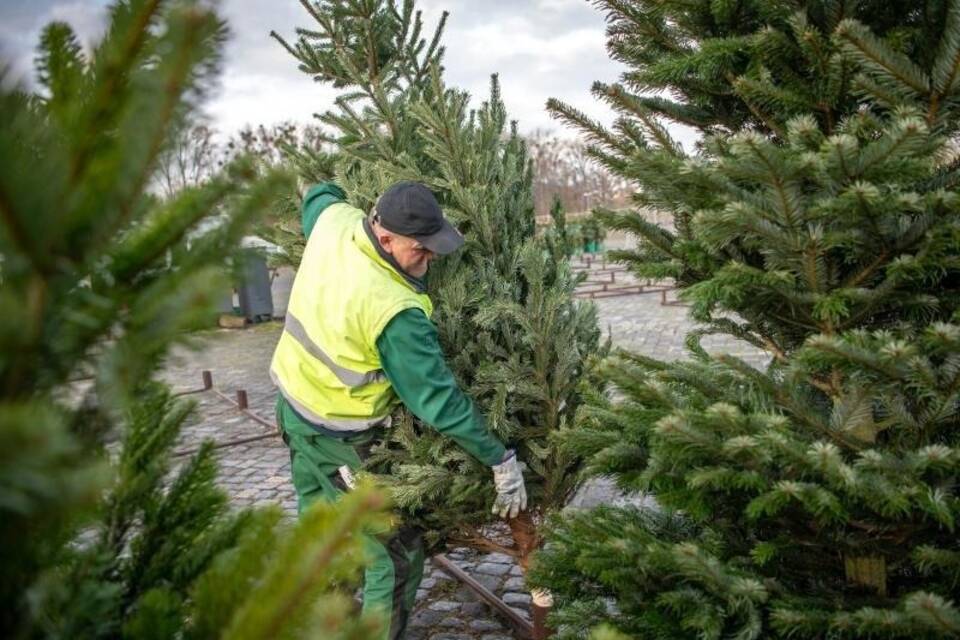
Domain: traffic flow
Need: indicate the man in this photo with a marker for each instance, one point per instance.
(357, 340)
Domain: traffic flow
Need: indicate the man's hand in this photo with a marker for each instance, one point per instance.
(511, 493)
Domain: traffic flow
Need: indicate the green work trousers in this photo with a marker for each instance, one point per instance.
(394, 562)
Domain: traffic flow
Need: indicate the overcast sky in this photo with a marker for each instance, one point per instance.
(540, 48)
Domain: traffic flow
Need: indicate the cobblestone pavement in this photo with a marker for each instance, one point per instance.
(258, 472)
(643, 324)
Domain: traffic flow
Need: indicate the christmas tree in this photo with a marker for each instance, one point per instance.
(515, 338)
(101, 535)
(818, 220)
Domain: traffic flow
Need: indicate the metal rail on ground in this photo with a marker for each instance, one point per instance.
(240, 401)
(602, 283)
(519, 622)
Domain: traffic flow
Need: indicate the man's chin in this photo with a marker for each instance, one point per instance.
(418, 271)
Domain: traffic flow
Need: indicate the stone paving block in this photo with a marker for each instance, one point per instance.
(466, 594)
(425, 618)
(501, 558)
(516, 583)
(444, 605)
(451, 623)
(482, 624)
(523, 613)
(474, 609)
(517, 599)
(493, 568)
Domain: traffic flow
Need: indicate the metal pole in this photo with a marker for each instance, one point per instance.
(242, 404)
(242, 400)
(224, 444)
(207, 378)
(522, 626)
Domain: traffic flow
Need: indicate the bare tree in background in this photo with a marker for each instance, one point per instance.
(190, 159)
(194, 154)
(262, 141)
(271, 144)
(563, 169)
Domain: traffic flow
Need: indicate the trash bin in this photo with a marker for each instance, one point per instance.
(282, 284)
(256, 299)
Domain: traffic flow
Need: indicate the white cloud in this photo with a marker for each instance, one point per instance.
(22, 22)
(539, 48)
(490, 44)
(88, 22)
(254, 99)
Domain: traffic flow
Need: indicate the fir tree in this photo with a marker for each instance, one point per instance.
(819, 221)
(514, 337)
(100, 536)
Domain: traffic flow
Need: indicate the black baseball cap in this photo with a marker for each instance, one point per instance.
(410, 209)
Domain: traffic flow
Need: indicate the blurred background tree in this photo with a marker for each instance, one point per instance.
(563, 169)
(101, 534)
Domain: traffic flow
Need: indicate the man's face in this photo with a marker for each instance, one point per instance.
(412, 256)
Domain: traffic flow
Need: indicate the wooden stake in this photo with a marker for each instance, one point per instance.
(542, 602)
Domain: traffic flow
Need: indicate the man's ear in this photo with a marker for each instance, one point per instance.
(386, 241)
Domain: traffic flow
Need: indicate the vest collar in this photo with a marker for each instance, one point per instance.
(371, 247)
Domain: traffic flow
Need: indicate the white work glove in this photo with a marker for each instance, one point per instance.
(511, 494)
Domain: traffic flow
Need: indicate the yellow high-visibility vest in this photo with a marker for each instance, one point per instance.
(326, 363)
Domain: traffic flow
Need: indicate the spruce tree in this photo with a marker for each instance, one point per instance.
(514, 337)
(101, 536)
(818, 220)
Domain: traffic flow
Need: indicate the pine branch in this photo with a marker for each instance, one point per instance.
(881, 59)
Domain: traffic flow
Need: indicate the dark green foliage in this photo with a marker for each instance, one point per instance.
(147, 538)
(515, 338)
(819, 221)
(101, 535)
(560, 242)
(283, 581)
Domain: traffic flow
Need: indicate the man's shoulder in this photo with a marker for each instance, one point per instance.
(339, 214)
(319, 199)
(331, 190)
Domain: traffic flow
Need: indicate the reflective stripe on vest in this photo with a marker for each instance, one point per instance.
(350, 378)
(347, 427)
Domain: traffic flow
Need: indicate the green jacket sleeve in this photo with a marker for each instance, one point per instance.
(414, 364)
(318, 197)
